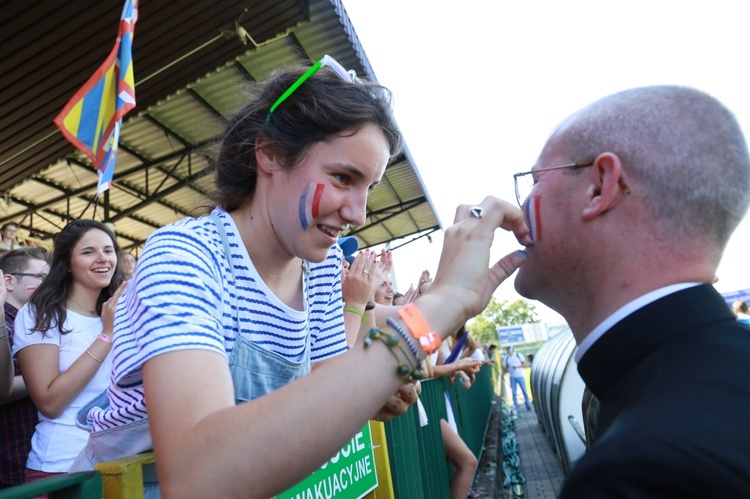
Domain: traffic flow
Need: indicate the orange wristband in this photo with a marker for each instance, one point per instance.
(428, 340)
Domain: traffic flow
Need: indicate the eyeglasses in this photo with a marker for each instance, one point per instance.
(328, 61)
(524, 181)
(41, 277)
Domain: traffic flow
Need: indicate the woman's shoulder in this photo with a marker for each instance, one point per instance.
(23, 334)
(198, 236)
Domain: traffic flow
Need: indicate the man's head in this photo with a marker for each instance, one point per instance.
(665, 183)
(23, 271)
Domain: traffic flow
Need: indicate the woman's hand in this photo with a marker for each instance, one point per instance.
(468, 365)
(464, 276)
(358, 286)
(108, 310)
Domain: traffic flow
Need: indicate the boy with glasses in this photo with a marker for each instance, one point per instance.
(23, 270)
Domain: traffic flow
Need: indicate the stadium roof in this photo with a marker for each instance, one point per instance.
(191, 61)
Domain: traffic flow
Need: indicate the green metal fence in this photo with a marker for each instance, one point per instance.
(74, 486)
(419, 468)
(416, 454)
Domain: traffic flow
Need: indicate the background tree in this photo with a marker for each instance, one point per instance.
(484, 326)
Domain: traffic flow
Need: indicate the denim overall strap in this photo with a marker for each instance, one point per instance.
(256, 371)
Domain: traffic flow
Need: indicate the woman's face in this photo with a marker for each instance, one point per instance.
(10, 232)
(311, 205)
(128, 264)
(384, 294)
(93, 260)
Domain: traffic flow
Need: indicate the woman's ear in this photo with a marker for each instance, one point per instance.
(605, 190)
(265, 157)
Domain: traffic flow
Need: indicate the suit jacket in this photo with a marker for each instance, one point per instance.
(673, 382)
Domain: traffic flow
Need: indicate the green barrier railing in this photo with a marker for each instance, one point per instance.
(418, 467)
(86, 485)
(416, 454)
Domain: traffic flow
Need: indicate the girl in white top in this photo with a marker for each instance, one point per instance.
(63, 338)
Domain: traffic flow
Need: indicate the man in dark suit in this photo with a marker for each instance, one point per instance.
(634, 199)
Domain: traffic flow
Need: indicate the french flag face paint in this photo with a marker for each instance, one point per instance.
(533, 216)
(309, 203)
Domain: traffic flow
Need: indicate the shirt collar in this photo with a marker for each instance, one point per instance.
(626, 310)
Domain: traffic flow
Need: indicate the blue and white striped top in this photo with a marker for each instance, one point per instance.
(183, 296)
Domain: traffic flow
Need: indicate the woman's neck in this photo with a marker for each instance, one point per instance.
(83, 300)
(277, 267)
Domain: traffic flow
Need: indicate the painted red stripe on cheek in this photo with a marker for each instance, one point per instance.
(538, 218)
(316, 200)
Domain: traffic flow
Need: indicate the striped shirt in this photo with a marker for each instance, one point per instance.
(183, 296)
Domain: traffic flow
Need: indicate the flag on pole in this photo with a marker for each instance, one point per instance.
(92, 119)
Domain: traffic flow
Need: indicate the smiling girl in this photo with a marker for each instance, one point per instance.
(227, 314)
(62, 340)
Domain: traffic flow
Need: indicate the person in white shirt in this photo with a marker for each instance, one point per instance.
(63, 336)
(514, 362)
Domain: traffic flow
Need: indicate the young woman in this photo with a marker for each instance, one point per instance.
(8, 241)
(236, 306)
(63, 336)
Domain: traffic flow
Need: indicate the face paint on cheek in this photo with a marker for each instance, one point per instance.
(534, 217)
(309, 203)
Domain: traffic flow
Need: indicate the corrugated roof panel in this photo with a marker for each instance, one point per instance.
(187, 118)
(224, 90)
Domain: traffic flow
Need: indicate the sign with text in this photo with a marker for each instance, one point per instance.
(510, 335)
(350, 474)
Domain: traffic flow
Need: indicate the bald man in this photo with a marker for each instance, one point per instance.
(631, 204)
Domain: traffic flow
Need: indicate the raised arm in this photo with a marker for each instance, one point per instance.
(206, 446)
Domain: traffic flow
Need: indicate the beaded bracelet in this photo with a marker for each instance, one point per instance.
(407, 338)
(408, 373)
(105, 338)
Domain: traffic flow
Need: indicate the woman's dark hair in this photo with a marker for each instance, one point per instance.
(49, 298)
(5, 226)
(322, 107)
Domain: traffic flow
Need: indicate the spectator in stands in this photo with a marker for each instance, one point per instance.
(257, 284)
(6, 362)
(8, 237)
(129, 262)
(638, 194)
(742, 312)
(23, 270)
(63, 338)
(358, 284)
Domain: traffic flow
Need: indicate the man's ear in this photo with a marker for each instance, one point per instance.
(9, 282)
(605, 191)
(265, 157)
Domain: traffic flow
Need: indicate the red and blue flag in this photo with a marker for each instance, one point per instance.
(92, 119)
